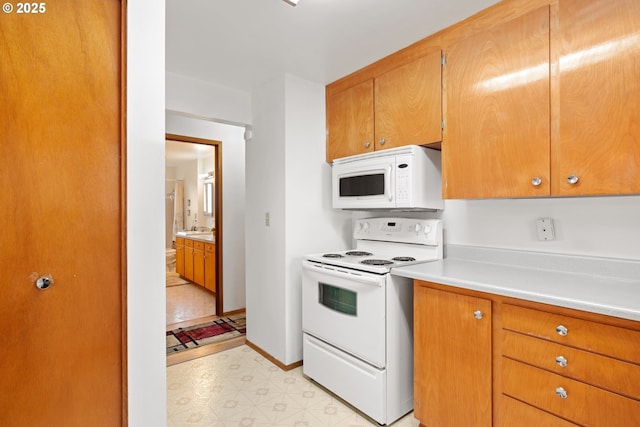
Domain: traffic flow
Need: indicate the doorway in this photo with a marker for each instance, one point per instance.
(198, 220)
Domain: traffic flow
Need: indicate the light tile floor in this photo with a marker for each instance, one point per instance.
(239, 387)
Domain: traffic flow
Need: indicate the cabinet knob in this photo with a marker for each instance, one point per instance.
(562, 330)
(536, 181)
(561, 361)
(572, 179)
(381, 141)
(561, 393)
(367, 144)
(477, 314)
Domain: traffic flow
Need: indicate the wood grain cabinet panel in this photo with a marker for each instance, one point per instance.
(210, 267)
(520, 414)
(497, 129)
(599, 95)
(452, 359)
(408, 104)
(180, 253)
(402, 106)
(188, 259)
(350, 121)
(605, 372)
(198, 263)
(596, 337)
(567, 398)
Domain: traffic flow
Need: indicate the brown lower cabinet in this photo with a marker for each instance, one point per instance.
(196, 261)
(487, 360)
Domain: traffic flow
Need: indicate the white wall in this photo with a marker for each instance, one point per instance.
(208, 101)
(233, 199)
(596, 226)
(146, 356)
(287, 178)
(591, 226)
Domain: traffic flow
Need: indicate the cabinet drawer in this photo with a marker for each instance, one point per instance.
(179, 241)
(515, 413)
(584, 404)
(612, 374)
(210, 247)
(608, 340)
(188, 242)
(198, 245)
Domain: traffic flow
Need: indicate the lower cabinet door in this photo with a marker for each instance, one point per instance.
(452, 359)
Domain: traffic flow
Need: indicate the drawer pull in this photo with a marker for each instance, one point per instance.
(562, 330)
(477, 314)
(561, 393)
(561, 361)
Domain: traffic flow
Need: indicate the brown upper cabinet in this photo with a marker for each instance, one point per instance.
(598, 91)
(401, 106)
(497, 111)
(546, 104)
(540, 98)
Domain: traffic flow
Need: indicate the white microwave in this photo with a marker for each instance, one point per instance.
(405, 178)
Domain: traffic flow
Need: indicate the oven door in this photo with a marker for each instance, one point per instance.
(345, 308)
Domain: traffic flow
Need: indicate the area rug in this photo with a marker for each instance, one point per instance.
(196, 336)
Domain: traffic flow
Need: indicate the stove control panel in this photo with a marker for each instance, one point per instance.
(405, 230)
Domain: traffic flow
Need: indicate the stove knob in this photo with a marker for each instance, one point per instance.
(417, 228)
(365, 226)
(358, 226)
(427, 229)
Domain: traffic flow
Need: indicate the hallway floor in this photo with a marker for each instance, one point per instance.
(188, 302)
(239, 387)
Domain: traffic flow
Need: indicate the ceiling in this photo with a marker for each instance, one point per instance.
(244, 43)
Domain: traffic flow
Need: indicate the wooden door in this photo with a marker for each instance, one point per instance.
(62, 210)
(599, 91)
(350, 121)
(452, 359)
(496, 138)
(408, 104)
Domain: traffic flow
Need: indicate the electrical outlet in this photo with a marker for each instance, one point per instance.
(545, 230)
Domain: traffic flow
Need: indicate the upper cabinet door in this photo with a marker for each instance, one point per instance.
(599, 91)
(350, 121)
(497, 129)
(408, 103)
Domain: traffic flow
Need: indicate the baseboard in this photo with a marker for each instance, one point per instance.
(272, 359)
(232, 312)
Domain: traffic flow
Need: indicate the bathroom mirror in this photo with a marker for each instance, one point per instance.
(207, 194)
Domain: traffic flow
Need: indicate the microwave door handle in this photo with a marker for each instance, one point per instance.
(388, 183)
(374, 281)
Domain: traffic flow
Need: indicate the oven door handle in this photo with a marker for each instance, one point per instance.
(367, 280)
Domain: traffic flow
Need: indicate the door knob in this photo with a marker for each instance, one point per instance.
(44, 282)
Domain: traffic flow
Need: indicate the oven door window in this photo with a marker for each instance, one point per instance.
(338, 299)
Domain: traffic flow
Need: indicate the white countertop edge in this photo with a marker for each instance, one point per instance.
(461, 270)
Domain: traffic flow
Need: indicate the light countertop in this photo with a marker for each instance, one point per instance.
(600, 285)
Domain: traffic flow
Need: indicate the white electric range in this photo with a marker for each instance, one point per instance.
(357, 317)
